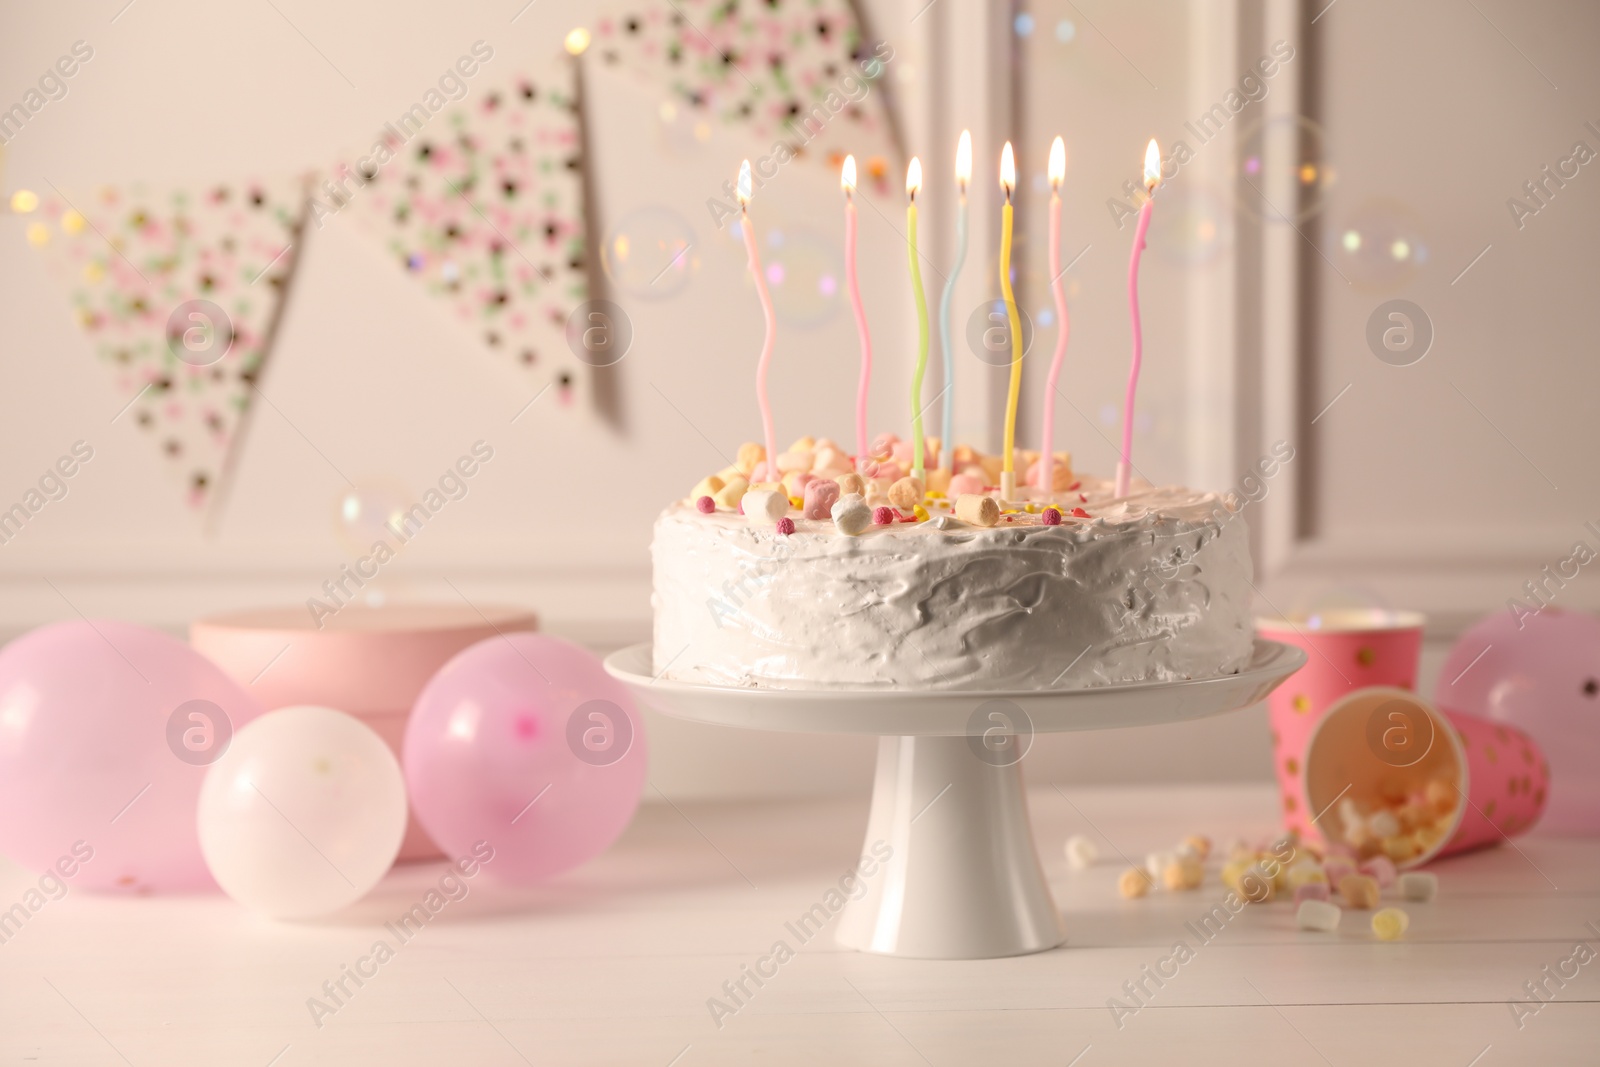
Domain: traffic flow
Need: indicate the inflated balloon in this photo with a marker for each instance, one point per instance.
(105, 732)
(1540, 673)
(303, 814)
(524, 742)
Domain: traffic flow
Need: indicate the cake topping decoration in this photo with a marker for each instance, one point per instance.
(1079, 513)
(1050, 517)
(730, 495)
(786, 526)
(977, 510)
(706, 505)
(852, 484)
(820, 497)
(882, 516)
(765, 505)
(750, 454)
(906, 493)
(851, 514)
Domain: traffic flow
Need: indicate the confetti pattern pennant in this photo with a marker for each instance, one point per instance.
(801, 72)
(482, 205)
(181, 291)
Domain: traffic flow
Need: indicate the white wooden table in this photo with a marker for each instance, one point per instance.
(615, 964)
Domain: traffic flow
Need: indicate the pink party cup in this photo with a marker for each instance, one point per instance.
(1465, 782)
(1346, 650)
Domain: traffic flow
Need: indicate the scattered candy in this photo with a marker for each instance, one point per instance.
(803, 444)
(1358, 891)
(1183, 874)
(706, 486)
(882, 516)
(731, 495)
(1420, 886)
(1318, 915)
(1383, 824)
(1199, 842)
(1051, 517)
(977, 510)
(1081, 852)
(706, 505)
(1390, 923)
(920, 512)
(1079, 513)
(794, 461)
(1133, 883)
(1381, 870)
(1312, 891)
(1156, 862)
(829, 460)
(851, 514)
(1304, 872)
(786, 526)
(962, 484)
(820, 497)
(906, 493)
(1336, 868)
(765, 505)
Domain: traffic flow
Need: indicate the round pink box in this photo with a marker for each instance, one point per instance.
(369, 661)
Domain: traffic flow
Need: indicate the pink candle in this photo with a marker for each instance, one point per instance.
(1152, 178)
(769, 471)
(847, 182)
(1047, 459)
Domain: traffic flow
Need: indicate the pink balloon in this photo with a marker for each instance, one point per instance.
(106, 730)
(1540, 673)
(526, 743)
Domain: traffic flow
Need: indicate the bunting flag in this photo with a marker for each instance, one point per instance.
(181, 291)
(480, 203)
(803, 73)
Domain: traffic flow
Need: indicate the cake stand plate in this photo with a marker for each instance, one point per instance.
(949, 864)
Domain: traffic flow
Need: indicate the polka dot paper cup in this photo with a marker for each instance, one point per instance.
(1346, 650)
(1386, 772)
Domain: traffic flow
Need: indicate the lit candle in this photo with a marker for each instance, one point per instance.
(963, 179)
(1008, 182)
(1152, 178)
(770, 471)
(913, 185)
(1058, 173)
(847, 182)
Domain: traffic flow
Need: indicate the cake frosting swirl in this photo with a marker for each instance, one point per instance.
(1151, 587)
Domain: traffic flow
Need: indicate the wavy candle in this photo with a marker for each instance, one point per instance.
(1047, 458)
(847, 182)
(770, 470)
(963, 179)
(1152, 178)
(1008, 182)
(913, 185)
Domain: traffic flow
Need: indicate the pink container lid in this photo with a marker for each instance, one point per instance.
(362, 660)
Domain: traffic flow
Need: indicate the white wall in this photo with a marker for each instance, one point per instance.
(1406, 487)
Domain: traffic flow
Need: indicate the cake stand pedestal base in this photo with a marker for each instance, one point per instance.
(962, 878)
(951, 871)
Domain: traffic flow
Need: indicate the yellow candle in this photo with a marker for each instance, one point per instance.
(1008, 182)
(913, 185)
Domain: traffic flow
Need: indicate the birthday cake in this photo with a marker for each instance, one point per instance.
(868, 578)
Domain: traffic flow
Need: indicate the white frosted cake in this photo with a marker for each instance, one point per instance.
(1065, 589)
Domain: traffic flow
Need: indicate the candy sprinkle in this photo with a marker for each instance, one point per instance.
(706, 505)
(1079, 513)
(1051, 517)
(786, 526)
(882, 516)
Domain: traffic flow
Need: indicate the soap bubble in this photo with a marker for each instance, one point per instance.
(650, 253)
(1380, 246)
(1193, 226)
(371, 512)
(1280, 169)
(805, 276)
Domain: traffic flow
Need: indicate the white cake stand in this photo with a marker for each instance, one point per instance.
(962, 878)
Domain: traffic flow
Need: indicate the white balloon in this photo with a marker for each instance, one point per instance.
(303, 814)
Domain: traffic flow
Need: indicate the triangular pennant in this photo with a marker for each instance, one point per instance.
(801, 72)
(181, 290)
(480, 202)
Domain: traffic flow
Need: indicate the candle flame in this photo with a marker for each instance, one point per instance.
(847, 175)
(914, 178)
(577, 41)
(1058, 162)
(744, 184)
(1008, 169)
(1152, 165)
(964, 159)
